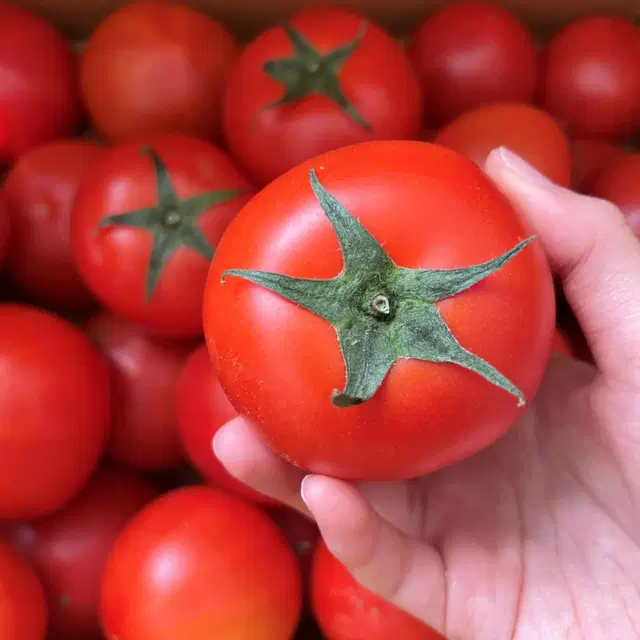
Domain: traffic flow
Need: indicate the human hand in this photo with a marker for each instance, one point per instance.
(538, 536)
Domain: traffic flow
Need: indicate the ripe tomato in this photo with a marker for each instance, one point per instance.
(23, 609)
(345, 610)
(200, 564)
(524, 129)
(39, 97)
(326, 79)
(5, 230)
(589, 159)
(55, 405)
(144, 370)
(202, 408)
(69, 548)
(280, 364)
(591, 78)
(39, 191)
(145, 223)
(472, 53)
(157, 66)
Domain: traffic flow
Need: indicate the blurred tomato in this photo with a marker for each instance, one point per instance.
(5, 230)
(590, 159)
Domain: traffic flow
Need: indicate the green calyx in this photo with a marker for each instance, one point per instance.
(382, 312)
(173, 221)
(308, 72)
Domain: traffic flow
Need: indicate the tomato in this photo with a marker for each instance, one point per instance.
(55, 405)
(524, 129)
(39, 191)
(200, 564)
(281, 365)
(591, 78)
(5, 230)
(201, 409)
(345, 610)
(69, 548)
(39, 96)
(23, 608)
(144, 371)
(326, 79)
(155, 66)
(472, 53)
(590, 159)
(150, 265)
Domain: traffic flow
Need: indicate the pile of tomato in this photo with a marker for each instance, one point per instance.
(125, 160)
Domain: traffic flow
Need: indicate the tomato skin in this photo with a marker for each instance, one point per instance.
(279, 363)
(345, 610)
(591, 78)
(590, 159)
(472, 53)
(23, 608)
(524, 129)
(154, 67)
(198, 563)
(39, 94)
(69, 548)
(114, 262)
(144, 371)
(39, 191)
(378, 79)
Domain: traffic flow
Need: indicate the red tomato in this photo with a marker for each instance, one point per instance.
(472, 53)
(150, 266)
(280, 364)
(157, 66)
(144, 371)
(345, 610)
(202, 408)
(353, 82)
(55, 405)
(591, 78)
(69, 548)
(39, 97)
(524, 129)
(590, 159)
(5, 229)
(200, 564)
(39, 191)
(23, 609)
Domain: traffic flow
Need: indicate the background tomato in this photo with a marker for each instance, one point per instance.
(69, 548)
(524, 129)
(472, 53)
(156, 66)
(591, 78)
(376, 79)
(55, 405)
(39, 98)
(39, 191)
(589, 159)
(144, 371)
(23, 609)
(198, 563)
(151, 269)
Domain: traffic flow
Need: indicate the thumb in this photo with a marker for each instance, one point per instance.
(595, 254)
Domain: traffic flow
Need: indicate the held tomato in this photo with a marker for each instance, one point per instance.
(154, 66)
(200, 564)
(281, 364)
(472, 53)
(144, 371)
(145, 223)
(39, 97)
(39, 190)
(590, 158)
(23, 608)
(525, 130)
(351, 82)
(69, 548)
(55, 405)
(201, 409)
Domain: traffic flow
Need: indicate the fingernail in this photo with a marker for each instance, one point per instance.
(221, 439)
(306, 488)
(522, 168)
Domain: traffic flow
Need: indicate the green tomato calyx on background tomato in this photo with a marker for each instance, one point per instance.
(309, 72)
(382, 312)
(173, 222)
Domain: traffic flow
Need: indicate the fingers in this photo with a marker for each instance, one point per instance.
(408, 573)
(594, 252)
